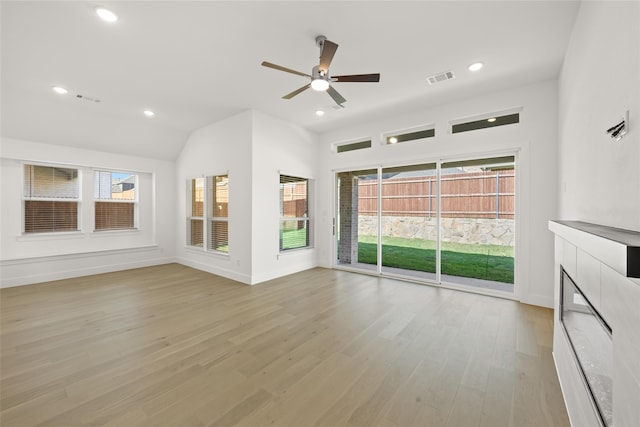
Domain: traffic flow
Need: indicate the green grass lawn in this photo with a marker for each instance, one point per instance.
(292, 239)
(488, 262)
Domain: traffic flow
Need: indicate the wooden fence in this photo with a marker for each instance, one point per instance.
(488, 194)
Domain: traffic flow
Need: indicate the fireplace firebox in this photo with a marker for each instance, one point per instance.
(590, 338)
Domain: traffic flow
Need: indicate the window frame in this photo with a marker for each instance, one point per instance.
(208, 217)
(406, 134)
(77, 200)
(307, 219)
(352, 145)
(191, 184)
(209, 212)
(484, 117)
(134, 201)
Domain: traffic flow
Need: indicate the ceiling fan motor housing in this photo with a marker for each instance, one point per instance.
(317, 74)
(320, 41)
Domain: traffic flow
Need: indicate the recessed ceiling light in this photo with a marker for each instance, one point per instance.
(319, 113)
(106, 15)
(149, 113)
(393, 140)
(60, 90)
(491, 119)
(476, 66)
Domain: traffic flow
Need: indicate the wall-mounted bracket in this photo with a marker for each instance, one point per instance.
(621, 128)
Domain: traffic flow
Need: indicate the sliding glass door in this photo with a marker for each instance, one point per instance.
(477, 223)
(409, 222)
(357, 219)
(446, 222)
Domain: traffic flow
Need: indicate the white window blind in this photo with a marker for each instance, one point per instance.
(115, 195)
(218, 213)
(51, 195)
(295, 230)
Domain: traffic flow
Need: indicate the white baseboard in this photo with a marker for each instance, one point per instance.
(280, 273)
(539, 300)
(229, 274)
(68, 273)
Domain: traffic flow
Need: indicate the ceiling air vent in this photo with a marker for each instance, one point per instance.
(440, 77)
(87, 98)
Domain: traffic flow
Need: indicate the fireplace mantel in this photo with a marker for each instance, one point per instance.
(617, 248)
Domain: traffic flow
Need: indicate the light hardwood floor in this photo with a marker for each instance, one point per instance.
(173, 346)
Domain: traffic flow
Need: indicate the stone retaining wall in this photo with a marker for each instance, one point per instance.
(461, 230)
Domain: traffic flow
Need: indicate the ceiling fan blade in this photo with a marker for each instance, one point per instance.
(297, 91)
(328, 50)
(285, 69)
(336, 96)
(372, 78)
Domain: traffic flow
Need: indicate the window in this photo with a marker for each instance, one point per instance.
(295, 224)
(115, 195)
(409, 135)
(218, 213)
(351, 146)
(488, 122)
(208, 198)
(51, 196)
(195, 212)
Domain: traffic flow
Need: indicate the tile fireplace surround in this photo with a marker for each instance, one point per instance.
(604, 263)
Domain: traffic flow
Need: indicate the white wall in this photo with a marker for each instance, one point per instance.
(253, 147)
(222, 147)
(534, 138)
(599, 179)
(41, 257)
(278, 147)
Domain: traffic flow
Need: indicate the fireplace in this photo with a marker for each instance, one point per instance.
(589, 336)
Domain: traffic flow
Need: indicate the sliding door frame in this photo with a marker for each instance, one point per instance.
(512, 151)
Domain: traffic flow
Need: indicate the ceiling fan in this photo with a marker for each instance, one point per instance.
(320, 78)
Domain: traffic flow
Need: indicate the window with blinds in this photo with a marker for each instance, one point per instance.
(218, 213)
(115, 196)
(195, 212)
(295, 224)
(51, 195)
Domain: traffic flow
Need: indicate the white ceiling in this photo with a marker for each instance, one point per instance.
(195, 63)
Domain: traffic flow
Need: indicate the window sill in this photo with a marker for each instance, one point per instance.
(114, 232)
(28, 237)
(200, 251)
(295, 251)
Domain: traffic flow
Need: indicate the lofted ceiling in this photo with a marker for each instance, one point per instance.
(194, 63)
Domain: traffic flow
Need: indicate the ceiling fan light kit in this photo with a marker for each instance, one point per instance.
(320, 78)
(319, 81)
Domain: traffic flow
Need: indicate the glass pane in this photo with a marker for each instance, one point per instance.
(410, 136)
(50, 182)
(197, 197)
(409, 220)
(486, 123)
(109, 185)
(295, 231)
(114, 215)
(219, 236)
(219, 196)
(357, 219)
(294, 234)
(353, 146)
(590, 339)
(48, 216)
(477, 225)
(194, 232)
(293, 197)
